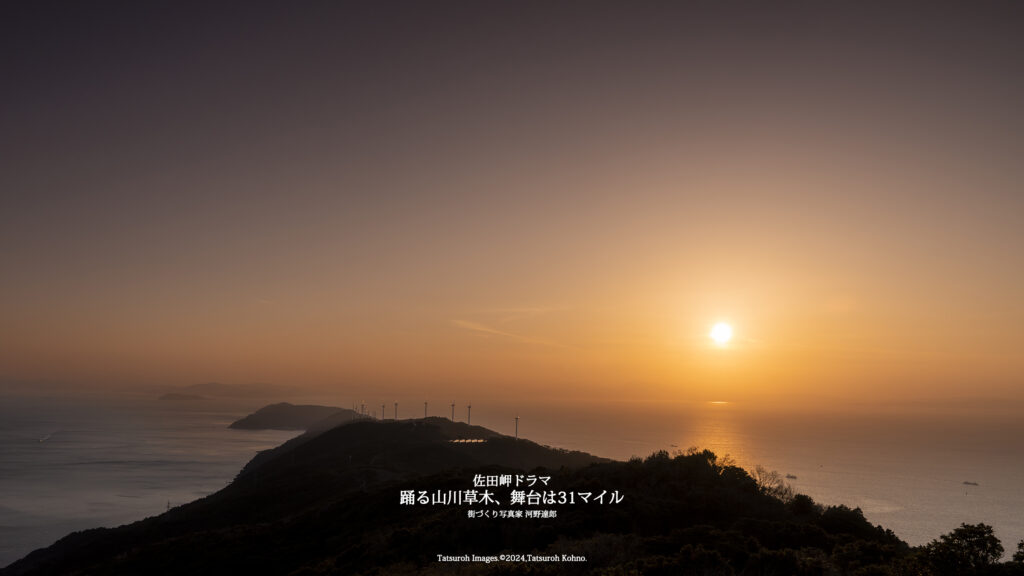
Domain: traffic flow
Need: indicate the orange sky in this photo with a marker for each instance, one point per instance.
(535, 203)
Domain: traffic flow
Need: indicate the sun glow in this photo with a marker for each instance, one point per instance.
(721, 333)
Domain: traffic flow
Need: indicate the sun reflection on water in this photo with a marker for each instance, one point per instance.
(717, 426)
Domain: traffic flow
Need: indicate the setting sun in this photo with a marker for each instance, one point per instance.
(721, 333)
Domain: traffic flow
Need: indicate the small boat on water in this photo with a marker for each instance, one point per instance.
(790, 477)
(969, 483)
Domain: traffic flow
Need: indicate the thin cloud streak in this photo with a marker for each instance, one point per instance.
(506, 315)
(478, 327)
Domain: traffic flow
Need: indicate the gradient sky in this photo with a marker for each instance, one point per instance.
(516, 199)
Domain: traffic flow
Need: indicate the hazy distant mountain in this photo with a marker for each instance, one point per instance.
(178, 397)
(285, 416)
(255, 390)
(329, 503)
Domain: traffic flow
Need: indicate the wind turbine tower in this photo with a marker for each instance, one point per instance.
(453, 411)
(424, 409)
(517, 426)
(469, 414)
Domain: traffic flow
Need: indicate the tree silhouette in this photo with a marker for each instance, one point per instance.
(770, 482)
(969, 549)
(1018, 556)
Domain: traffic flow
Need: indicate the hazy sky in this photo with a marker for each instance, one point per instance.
(516, 199)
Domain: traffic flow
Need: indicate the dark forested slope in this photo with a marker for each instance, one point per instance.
(338, 502)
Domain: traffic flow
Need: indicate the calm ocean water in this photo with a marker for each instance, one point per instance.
(905, 468)
(70, 465)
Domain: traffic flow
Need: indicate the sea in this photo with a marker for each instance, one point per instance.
(920, 470)
(69, 464)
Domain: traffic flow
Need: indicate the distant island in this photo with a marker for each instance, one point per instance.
(285, 416)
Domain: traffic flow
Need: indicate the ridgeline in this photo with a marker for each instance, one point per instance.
(360, 498)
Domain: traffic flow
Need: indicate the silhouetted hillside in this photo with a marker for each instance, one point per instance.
(285, 416)
(297, 481)
(331, 503)
(370, 452)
